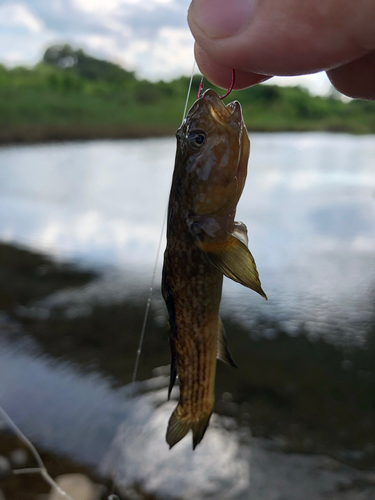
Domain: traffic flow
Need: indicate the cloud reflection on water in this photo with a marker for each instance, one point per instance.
(308, 204)
(309, 207)
(82, 416)
(219, 467)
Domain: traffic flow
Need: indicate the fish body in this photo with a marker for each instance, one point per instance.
(204, 243)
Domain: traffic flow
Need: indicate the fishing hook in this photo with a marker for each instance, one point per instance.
(200, 90)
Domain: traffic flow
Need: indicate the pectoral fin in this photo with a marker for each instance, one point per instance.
(223, 353)
(240, 232)
(232, 257)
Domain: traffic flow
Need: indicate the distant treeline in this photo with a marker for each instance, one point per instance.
(71, 95)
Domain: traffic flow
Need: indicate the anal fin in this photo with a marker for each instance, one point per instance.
(223, 353)
(173, 376)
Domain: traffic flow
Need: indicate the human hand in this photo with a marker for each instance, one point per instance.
(264, 38)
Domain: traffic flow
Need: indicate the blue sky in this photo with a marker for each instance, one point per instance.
(151, 37)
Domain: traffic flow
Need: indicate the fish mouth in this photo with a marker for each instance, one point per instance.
(224, 113)
(232, 107)
(231, 113)
(215, 106)
(219, 114)
(211, 105)
(215, 100)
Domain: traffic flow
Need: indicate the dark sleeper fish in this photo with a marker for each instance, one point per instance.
(203, 244)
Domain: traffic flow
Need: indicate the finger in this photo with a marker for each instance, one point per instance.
(283, 37)
(221, 76)
(357, 78)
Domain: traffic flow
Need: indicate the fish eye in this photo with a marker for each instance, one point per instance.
(196, 139)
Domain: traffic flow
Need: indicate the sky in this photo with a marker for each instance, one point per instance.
(150, 37)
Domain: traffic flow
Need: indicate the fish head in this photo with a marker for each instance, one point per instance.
(213, 151)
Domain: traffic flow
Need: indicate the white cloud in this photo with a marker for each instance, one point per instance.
(167, 56)
(151, 38)
(21, 49)
(97, 6)
(316, 83)
(19, 16)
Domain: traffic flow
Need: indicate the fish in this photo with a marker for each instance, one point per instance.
(204, 243)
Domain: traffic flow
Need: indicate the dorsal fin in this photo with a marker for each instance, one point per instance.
(223, 353)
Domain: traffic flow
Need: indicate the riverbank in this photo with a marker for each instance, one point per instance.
(40, 134)
(35, 134)
(95, 99)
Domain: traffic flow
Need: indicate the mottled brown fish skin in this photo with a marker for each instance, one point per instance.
(196, 290)
(207, 183)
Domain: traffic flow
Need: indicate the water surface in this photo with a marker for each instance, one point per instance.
(88, 218)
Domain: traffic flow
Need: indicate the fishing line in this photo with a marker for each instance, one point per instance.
(112, 496)
(147, 310)
(188, 92)
(147, 307)
(41, 469)
(34, 470)
(145, 318)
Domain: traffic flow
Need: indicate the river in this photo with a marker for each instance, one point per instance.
(80, 225)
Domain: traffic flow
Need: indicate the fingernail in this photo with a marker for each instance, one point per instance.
(221, 18)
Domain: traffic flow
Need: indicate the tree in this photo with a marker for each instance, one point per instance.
(88, 67)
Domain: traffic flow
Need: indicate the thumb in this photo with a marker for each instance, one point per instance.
(281, 37)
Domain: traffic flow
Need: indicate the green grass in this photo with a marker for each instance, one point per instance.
(98, 100)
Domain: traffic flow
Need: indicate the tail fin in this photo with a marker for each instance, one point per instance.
(199, 428)
(179, 426)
